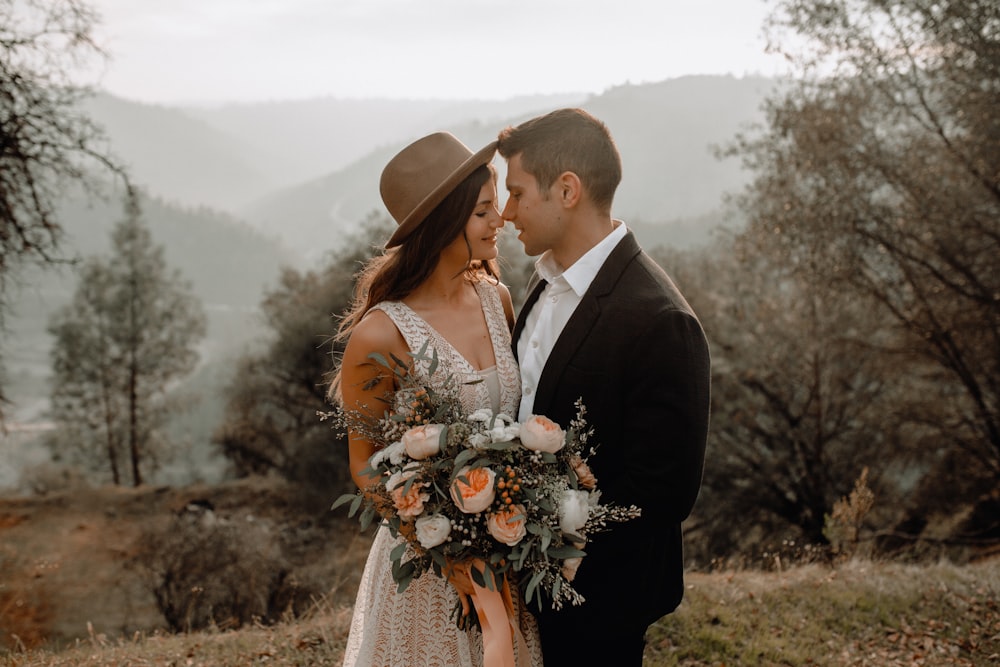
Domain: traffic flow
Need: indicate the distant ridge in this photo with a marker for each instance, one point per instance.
(666, 133)
(306, 172)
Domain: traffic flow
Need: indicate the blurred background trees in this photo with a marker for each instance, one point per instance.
(271, 424)
(129, 332)
(46, 143)
(855, 321)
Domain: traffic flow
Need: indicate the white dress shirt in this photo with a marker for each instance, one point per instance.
(555, 305)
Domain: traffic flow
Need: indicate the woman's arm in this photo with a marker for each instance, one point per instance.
(365, 385)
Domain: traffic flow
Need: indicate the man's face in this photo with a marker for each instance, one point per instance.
(535, 214)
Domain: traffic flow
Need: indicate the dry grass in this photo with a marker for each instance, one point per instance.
(857, 614)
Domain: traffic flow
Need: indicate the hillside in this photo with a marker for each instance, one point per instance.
(298, 140)
(69, 575)
(178, 157)
(666, 133)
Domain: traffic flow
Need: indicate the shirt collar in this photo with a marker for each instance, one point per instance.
(583, 271)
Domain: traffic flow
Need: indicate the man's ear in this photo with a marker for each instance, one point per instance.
(569, 189)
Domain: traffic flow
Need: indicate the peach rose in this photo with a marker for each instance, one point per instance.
(507, 525)
(570, 566)
(423, 441)
(410, 503)
(477, 493)
(583, 473)
(541, 434)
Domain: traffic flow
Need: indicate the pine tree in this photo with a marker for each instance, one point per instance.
(130, 330)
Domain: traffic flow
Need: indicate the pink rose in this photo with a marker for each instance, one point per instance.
(507, 525)
(410, 503)
(541, 434)
(476, 493)
(423, 441)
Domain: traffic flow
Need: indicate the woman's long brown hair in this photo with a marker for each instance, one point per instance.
(395, 273)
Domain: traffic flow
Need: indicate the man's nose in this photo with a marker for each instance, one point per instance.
(508, 210)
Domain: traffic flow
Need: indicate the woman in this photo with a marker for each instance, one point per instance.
(437, 281)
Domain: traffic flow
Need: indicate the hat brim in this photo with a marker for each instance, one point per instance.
(438, 194)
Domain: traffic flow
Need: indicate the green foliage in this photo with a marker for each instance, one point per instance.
(854, 322)
(879, 176)
(205, 572)
(797, 406)
(129, 331)
(271, 423)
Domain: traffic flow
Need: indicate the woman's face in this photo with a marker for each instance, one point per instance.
(481, 230)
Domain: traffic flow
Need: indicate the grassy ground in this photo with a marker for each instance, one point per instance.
(860, 613)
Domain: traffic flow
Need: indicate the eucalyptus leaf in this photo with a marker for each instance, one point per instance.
(366, 517)
(355, 505)
(438, 558)
(565, 551)
(464, 457)
(343, 500)
(532, 586)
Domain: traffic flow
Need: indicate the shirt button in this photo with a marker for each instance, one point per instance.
(534, 343)
(527, 391)
(554, 299)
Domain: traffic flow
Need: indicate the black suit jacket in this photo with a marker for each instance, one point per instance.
(636, 354)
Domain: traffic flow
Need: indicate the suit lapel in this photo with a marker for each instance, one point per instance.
(582, 321)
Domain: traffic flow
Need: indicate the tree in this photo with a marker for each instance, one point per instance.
(130, 330)
(798, 407)
(878, 176)
(271, 423)
(46, 142)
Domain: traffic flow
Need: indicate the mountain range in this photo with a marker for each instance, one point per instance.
(305, 172)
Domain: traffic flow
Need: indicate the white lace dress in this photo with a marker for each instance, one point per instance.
(415, 628)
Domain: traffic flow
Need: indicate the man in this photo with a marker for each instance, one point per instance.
(606, 324)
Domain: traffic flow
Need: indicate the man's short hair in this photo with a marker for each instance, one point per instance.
(566, 140)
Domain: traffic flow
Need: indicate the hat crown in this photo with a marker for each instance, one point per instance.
(422, 175)
(418, 170)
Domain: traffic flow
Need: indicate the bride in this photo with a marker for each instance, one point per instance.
(437, 281)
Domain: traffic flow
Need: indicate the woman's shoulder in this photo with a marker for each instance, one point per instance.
(376, 332)
(497, 294)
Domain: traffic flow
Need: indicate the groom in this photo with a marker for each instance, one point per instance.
(604, 323)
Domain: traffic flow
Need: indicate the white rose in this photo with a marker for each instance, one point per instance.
(393, 452)
(423, 441)
(574, 510)
(432, 530)
(541, 434)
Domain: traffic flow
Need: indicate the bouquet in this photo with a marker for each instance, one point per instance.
(517, 499)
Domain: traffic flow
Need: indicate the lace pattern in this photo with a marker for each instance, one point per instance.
(416, 627)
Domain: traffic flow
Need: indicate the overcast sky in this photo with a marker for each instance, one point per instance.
(188, 51)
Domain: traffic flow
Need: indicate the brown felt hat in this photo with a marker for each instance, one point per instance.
(422, 175)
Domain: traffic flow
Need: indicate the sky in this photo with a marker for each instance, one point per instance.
(212, 51)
